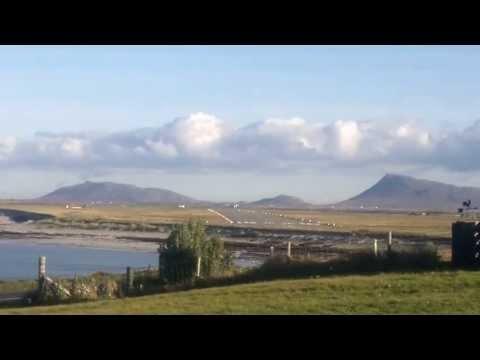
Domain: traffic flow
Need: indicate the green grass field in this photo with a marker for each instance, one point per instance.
(442, 292)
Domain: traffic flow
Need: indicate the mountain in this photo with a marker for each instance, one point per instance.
(107, 192)
(408, 193)
(281, 201)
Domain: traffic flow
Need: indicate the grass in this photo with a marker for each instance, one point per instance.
(17, 286)
(434, 225)
(443, 292)
(431, 225)
(138, 214)
(320, 287)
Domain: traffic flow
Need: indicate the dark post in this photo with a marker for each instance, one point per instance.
(464, 238)
(159, 261)
(130, 277)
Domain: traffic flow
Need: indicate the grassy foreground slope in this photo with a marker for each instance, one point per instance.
(445, 292)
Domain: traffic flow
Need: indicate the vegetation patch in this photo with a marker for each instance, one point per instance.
(428, 292)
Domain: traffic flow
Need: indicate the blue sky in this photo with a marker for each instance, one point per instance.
(108, 89)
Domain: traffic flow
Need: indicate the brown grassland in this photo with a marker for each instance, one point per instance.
(130, 213)
(432, 225)
(435, 224)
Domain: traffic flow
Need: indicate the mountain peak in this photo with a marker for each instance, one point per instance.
(284, 197)
(390, 176)
(111, 192)
(394, 191)
(281, 201)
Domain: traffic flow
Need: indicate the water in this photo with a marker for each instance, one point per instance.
(20, 260)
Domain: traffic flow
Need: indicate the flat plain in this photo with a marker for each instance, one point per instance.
(427, 224)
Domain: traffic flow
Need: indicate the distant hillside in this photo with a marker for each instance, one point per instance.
(107, 192)
(281, 201)
(405, 192)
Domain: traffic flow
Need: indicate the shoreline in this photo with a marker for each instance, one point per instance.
(78, 243)
(22, 233)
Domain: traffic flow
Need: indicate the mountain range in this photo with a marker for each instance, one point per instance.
(392, 192)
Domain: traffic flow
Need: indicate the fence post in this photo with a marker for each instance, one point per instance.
(199, 264)
(42, 270)
(159, 262)
(289, 249)
(130, 278)
(375, 247)
(272, 250)
(389, 241)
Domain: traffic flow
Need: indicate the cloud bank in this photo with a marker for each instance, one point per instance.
(203, 141)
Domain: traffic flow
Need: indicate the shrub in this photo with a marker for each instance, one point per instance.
(418, 258)
(93, 287)
(423, 256)
(185, 244)
(177, 264)
(83, 289)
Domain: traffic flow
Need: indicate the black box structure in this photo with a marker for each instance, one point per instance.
(466, 244)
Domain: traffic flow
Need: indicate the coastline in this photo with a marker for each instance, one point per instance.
(28, 233)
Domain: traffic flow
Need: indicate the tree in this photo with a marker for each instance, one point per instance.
(185, 244)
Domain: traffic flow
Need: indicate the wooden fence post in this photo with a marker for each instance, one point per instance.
(375, 247)
(159, 262)
(42, 270)
(199, 264)
(130, 278)
(389, 241)
(289, 249)
(272, 250)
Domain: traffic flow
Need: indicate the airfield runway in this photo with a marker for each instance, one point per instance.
(265, 218)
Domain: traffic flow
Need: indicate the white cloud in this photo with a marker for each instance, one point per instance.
(196, 134)
(159, 148)
(348, 137)
(74, 147)
(7, 146)
(203, 141)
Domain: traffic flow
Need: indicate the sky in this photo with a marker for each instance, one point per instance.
(229, 123)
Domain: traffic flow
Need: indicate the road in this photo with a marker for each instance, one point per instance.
(265, 218)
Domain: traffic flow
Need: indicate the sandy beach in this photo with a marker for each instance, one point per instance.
(98, 239)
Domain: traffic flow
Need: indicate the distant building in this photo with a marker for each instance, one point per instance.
(75, 207)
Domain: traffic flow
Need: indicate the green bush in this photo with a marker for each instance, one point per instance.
(186, 243)
(418, 258)
(178, 264)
